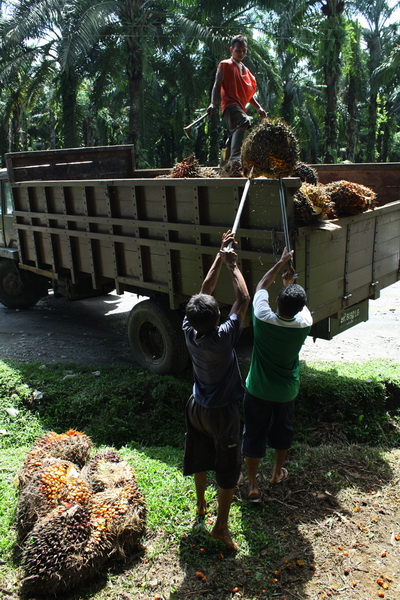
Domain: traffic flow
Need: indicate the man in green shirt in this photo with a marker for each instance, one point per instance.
(273, 380)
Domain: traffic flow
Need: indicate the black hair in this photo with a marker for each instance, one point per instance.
(202, 312)
(238, 39)
(291, 300)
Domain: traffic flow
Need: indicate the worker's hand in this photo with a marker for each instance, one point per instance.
(288, 277)
(262, 113)
(230, 258)
(227, 238)
(286, 256)
(211, 109)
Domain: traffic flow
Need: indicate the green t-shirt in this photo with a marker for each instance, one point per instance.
(274, 369)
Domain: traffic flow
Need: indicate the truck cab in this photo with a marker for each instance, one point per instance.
(18, 289)
(7, 237)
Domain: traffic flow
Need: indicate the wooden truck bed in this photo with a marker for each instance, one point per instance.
(112, 226)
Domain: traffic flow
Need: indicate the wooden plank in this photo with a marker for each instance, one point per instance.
(99, 162)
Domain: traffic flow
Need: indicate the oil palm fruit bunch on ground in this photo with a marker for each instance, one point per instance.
(69, 530)
(272, 148)
(188, 167)
(52, 555)
(103, 470)
(117, 518)
(56, 483)
(73, 446)
(350, 198)
(306, 173)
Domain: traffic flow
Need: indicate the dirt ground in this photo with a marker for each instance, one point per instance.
(339, 516)
(94, 331)
(338, 526)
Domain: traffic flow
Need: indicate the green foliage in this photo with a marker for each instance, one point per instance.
(113, 405)
(19, 425)
(9, 463)
(117, 406)
(109, 72)
(355, 397)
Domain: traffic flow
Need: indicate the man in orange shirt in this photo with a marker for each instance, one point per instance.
(235, 86)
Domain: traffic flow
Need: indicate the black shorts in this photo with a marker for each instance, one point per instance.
(213, 442)
(266, 424)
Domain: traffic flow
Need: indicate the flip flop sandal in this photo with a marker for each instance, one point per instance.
(285, 475)
(255, 499)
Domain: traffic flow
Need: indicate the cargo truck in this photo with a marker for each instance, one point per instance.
(85, 221)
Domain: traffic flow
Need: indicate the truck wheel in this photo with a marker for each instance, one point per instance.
(156, 338)
(17, 289)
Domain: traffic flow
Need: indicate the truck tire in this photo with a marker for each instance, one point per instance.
(20, 289)
(156, 338)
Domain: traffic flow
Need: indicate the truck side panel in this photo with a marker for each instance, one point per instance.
(344, 266)
(158, 236)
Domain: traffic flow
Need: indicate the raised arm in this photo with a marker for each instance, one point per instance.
(242, 295)
(211, 278)
(269, 278)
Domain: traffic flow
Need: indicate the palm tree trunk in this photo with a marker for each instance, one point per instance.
(333, 46)
(352, 124)
(135, 79)
(15, 130)
(68, 88)
(371, 136)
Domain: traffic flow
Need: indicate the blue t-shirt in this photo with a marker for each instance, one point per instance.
(217, 378)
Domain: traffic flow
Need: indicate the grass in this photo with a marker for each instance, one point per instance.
(282, 539)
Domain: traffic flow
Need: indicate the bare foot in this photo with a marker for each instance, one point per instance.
(201, 508)
(224, 535)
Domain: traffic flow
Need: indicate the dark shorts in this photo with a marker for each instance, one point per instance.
(266, 424)
(235, 118)
(213, 442)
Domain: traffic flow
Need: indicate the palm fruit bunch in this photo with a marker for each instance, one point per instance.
(350, 198)
(188, 167)
(62, 483)
(117, 518)
(106, 470)
(271, 148)
(56, 483)
(319, 200)
(70, 530)
(303, 210)
(51, 557)
(73, 446)
(306, 173)
(232, 168)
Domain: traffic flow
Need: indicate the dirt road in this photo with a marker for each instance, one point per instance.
(94, 332)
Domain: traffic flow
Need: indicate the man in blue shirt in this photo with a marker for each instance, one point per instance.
(212, 414)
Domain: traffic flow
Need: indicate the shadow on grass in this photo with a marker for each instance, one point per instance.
(276, 554)
(118, 405)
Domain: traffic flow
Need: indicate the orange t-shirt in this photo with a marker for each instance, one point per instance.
(236, 88)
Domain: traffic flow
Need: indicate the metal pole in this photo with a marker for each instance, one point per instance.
(282, 201)
(241, 205)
